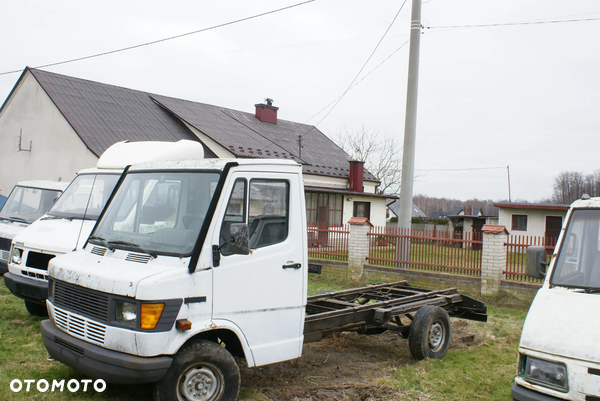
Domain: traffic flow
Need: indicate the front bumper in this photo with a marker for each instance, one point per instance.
(26, 288)
(100, 363)
(523, 394)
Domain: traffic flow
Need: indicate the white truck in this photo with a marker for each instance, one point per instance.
(192, 263)
(68, 223)
(559, 350)
(26, 203)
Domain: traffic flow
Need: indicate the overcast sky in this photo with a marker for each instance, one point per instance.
(524, 96)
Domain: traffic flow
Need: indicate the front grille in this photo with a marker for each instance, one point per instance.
(5, 244)
(79, 326)
(136, 257)
(4, 255)
(38, 260)
(84, 301)
(64, 344)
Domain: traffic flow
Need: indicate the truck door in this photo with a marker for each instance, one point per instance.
(263, 293)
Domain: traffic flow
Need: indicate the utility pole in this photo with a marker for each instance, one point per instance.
(410, 133)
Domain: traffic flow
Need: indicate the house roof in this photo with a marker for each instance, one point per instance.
(102, 114)
(394, 206)
(543, 206)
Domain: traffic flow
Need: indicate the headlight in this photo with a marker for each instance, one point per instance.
(545, 373)
(16, 256)
(126, 312)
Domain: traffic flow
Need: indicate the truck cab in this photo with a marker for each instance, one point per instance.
(559, 351)
(27, 202)
(66, 226)
(190, 264)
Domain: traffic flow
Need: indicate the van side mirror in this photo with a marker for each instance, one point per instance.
(536, 262)
(239, 238)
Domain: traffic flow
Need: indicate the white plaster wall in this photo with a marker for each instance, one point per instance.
(56, 150)
(536, 220)
(334, 183)
(377, 208)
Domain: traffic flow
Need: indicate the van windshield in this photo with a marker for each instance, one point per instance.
(157, 212)
(25, 204)
(578, 263)
(85, 197)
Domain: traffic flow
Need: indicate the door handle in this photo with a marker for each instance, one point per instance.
(292, 266)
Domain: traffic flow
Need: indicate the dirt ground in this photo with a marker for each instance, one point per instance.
(343, 368)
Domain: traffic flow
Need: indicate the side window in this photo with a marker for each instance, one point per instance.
(235, 213)
(269, 211)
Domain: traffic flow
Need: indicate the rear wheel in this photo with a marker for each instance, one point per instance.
(201, 371)
(36, 309)
(429, 333)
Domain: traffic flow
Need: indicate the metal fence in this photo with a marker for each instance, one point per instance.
(427, 250)
(516, 248)
(328, 243)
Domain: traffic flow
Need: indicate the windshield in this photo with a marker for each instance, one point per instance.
(157, 212)
(85, 197)
(578, 263)
(27, 204)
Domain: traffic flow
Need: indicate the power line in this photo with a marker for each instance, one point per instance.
(164, 39)
(364, 65)
(466, 169)
(512, 23)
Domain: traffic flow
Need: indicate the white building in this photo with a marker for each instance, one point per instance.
(543, 220)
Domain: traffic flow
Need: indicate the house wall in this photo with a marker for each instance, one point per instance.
(334, 183)
(56, 150)
(536, 219)
(377, 208)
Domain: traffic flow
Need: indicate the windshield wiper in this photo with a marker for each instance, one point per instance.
(591, 290)
(131, 244)
(100, 240)
(53, 217)
(17, 219)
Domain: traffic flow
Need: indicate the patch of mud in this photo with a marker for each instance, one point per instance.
(346, 367)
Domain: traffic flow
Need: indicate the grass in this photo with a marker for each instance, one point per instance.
(484, 371)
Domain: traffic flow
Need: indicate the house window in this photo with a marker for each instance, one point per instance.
(331, 202)
(362, 209)
(519, 222)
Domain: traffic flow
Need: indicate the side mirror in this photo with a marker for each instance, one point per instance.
(536, 262)
(239, 238)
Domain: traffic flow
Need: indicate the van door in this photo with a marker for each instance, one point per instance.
(263, 293)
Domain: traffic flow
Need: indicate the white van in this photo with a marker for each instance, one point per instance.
(559, 351)
(27, 202)
(67, 225)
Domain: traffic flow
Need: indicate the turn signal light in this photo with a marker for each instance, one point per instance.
(183, 325)
(151, 315)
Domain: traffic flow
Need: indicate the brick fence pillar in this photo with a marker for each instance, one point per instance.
(358, 245)
(493, 258)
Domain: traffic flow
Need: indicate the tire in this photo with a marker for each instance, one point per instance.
(201, 371)
(429, 333)
(36, 309)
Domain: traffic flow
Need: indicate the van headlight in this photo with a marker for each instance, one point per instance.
(545, 373)
(126, 312)
(16, 256)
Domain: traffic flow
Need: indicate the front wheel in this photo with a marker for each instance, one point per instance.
(429, 333)
(201, 371)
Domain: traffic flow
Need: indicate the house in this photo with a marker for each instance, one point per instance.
(536, 219)
(52, 126)
(393, 209)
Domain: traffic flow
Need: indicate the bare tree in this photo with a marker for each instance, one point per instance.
(381, 154)
(570, 185)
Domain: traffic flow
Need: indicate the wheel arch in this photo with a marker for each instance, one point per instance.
(231, 338)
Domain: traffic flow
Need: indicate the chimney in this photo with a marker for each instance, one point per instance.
(356, 176)
(267, 113)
